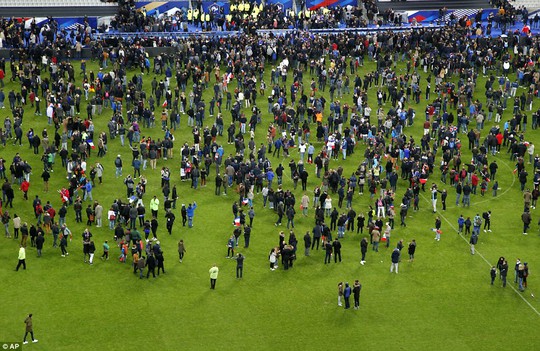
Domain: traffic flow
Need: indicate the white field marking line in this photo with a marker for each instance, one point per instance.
(479, 254)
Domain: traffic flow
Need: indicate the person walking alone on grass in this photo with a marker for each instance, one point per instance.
(29, 329)
(181, 250)
(22, 258)
(473, 241)
(357, 287)
(363, 249)
(214, 271)
(395, 260)
(106, 248)
(526, 219)
(412, 250)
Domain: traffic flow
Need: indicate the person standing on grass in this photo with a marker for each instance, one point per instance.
(347, 296)
(29, 329)
(105, 251)
(86, 235)
(526, 219)
(231, 243)
(328, 250)
(340, 293)
(22, 258)
(247, 236)
(461, 223)
(159, 260)
(363, 249)
(412, 250)
(307, 243)
(170, 220)
(91, 252)
(375, 237)
(190, 212)
(214, 271)
(473, 241)
(337, 250)
(239, 265)
(151, 264)
(63, 244)
(25, 185)
(139, 266)
(40, 240)
(357, 287)
(395, 260)
(504, 272)
(181, 250)
(516, 270)
(493, 274)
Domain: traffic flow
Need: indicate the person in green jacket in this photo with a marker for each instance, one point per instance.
(105, 251)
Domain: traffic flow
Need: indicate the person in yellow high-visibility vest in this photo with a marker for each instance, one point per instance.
(190, 16)
(241, 7)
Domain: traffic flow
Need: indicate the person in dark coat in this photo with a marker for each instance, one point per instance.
(328, 250)
(40, 240)
(170, 221)
(395, 260)
(307, 243)
(357, 287)
(337, 250)
(239, 265)
(151, 264)
(363, 248)
(160, 259)
(412, 250)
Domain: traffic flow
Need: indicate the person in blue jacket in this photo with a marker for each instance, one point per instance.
(347, 295)
(190, 212)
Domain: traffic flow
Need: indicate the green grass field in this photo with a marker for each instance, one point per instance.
(442, 301)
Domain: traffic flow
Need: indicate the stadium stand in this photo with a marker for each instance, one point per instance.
(56, 3)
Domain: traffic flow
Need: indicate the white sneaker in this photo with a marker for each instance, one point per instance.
(34, 341)
(63, 255)
(362, 262)
(25, 342)
(485, 231)
(489, 230)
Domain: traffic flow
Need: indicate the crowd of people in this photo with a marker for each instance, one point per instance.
(421, 64)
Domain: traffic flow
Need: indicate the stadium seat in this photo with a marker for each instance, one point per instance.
(529, 4)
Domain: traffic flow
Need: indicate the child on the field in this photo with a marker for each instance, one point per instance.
(483, 187)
